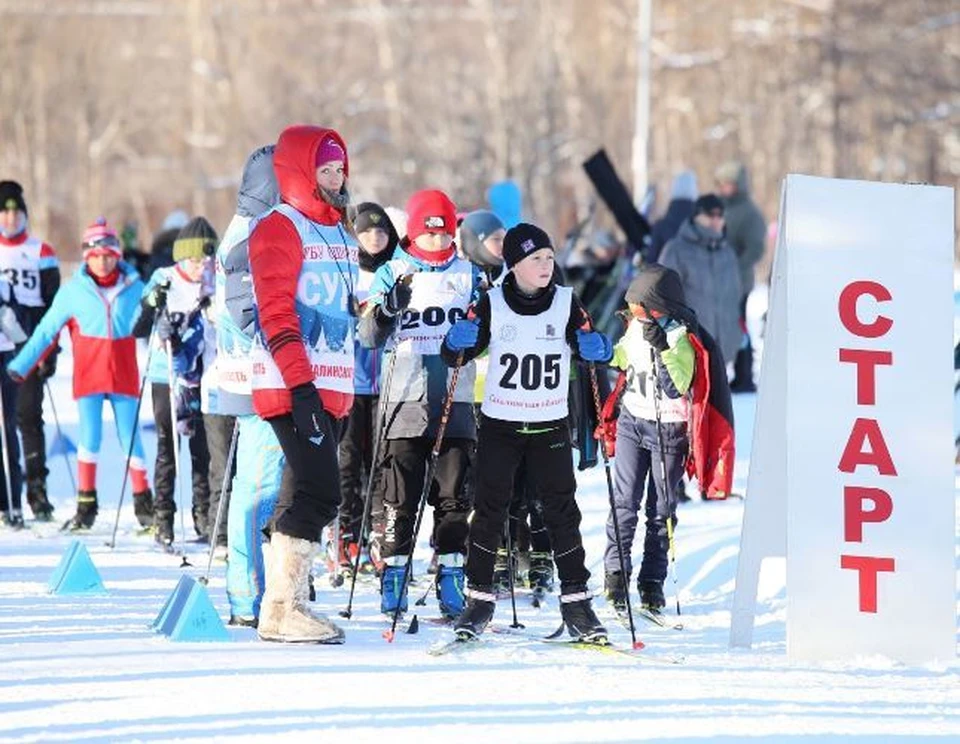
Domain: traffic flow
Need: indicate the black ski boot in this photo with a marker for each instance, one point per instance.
(86, 512)
(163, 529)
(143, 508)
(478, 612)
(540, 573)
(651, 595)
(578, 615)
(201, 522)
(37, 498)
(14, 521)
(615, 590)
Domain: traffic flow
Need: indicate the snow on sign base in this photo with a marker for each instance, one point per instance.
(853, 467)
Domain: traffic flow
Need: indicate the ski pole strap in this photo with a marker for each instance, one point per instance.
(448, 404)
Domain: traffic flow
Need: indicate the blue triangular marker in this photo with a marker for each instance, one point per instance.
(76, 573)
(189, 615)
(61, 444)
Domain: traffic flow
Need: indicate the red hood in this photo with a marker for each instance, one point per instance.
(293, 161)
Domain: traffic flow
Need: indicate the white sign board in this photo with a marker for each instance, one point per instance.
(852, 469)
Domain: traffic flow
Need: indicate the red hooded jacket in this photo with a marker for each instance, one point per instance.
(276, 259)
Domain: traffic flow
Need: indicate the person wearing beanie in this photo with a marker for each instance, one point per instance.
(480, 239)
(100, 305)
(682, 196)
(175, 318)
(303, 262)
(414, 299)
(378, 240)
(746, 232)
(32, 267)
(710, 273)
(671, 374)
(532, 329)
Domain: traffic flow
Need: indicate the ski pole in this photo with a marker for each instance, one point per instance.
(513, 596)
(231, 454)
(56, 423)
(658, 392)
(613, 506)
(379, 434)
(133, 437)
(427, 483)
(176, 453)
(7, 479)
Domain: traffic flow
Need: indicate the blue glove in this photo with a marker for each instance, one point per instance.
(594, 346)
(462, 335)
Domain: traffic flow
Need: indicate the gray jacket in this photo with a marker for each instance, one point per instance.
(746, 229)
(710, 273)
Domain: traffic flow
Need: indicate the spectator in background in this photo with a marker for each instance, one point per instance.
(161, 250)
(746, 232)
(682, 197)
(710, 273)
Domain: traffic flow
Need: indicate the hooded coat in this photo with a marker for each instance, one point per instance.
(277, 258)
(710, 273)
(711, 428)
(746, 229)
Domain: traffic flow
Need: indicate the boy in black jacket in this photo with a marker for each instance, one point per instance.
(531, 326)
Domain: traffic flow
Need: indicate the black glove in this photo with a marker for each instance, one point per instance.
(398, 297)
(655, 336)
(307, 413)
(157, 296)
(48, 367)
(168, 328)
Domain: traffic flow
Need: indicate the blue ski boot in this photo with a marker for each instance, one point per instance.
(450, 585)
(390, 584)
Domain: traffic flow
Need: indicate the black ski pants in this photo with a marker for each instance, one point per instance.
(219, 431)
(164, 477)
(9, 391)
(356, 454)
(545, 450)
(310, 485)
(405, 464)
(30, 420)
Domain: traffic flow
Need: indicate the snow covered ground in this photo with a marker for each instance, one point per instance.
(90, 669)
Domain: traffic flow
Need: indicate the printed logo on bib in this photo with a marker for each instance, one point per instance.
(508, 333)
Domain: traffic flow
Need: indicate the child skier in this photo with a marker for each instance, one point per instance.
(480, 239)
(174, 300)
(672, 372)
(100, 305)
(530, 327)
(378, 239)
(32, 269)
(415, 298)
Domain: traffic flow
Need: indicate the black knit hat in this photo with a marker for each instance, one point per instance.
(521, 240)
(11, 196)
(371, 215)
(706, 204)
(196, 239)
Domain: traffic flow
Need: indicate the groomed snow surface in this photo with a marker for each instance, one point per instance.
(90, 669)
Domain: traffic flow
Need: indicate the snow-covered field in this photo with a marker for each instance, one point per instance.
(90, 669)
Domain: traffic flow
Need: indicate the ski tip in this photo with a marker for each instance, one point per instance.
(638, 645)
(414, 626)
(388, 636)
